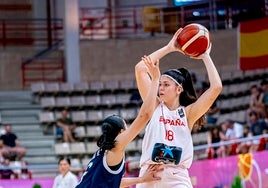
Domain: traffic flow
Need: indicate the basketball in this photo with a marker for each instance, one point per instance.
(194, 39)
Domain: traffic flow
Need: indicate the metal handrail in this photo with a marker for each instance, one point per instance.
(229, 142)
(30, 32)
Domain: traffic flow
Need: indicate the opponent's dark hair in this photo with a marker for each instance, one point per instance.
(188, 95)
(111, 126)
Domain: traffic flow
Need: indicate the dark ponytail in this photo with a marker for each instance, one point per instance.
(111, 127)
(188, 96)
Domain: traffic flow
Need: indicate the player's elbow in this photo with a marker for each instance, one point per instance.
(218, 88)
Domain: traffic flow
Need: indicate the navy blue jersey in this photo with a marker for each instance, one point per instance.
(99, 175)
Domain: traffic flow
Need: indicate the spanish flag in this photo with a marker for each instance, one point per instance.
(253, 40)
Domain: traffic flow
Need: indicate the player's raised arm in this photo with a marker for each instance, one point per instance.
(147, 107)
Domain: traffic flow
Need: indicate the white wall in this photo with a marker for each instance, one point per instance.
(92, 3)
(39, 9)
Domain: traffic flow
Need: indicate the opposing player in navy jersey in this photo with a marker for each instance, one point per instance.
(107, 167)
(167, 139)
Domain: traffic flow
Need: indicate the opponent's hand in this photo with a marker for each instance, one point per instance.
(153, 67)
(151, 173)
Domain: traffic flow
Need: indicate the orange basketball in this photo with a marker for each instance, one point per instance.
(194, 39)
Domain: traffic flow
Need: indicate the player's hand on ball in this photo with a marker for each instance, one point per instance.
(173, 44)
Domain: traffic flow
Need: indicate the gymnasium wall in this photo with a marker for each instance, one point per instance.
(115, 59)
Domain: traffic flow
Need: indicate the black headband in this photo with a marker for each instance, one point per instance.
(175, 75)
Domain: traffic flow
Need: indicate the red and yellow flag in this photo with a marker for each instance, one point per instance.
(253, 40)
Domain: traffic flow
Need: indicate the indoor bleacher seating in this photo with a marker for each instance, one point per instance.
(89, 103)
